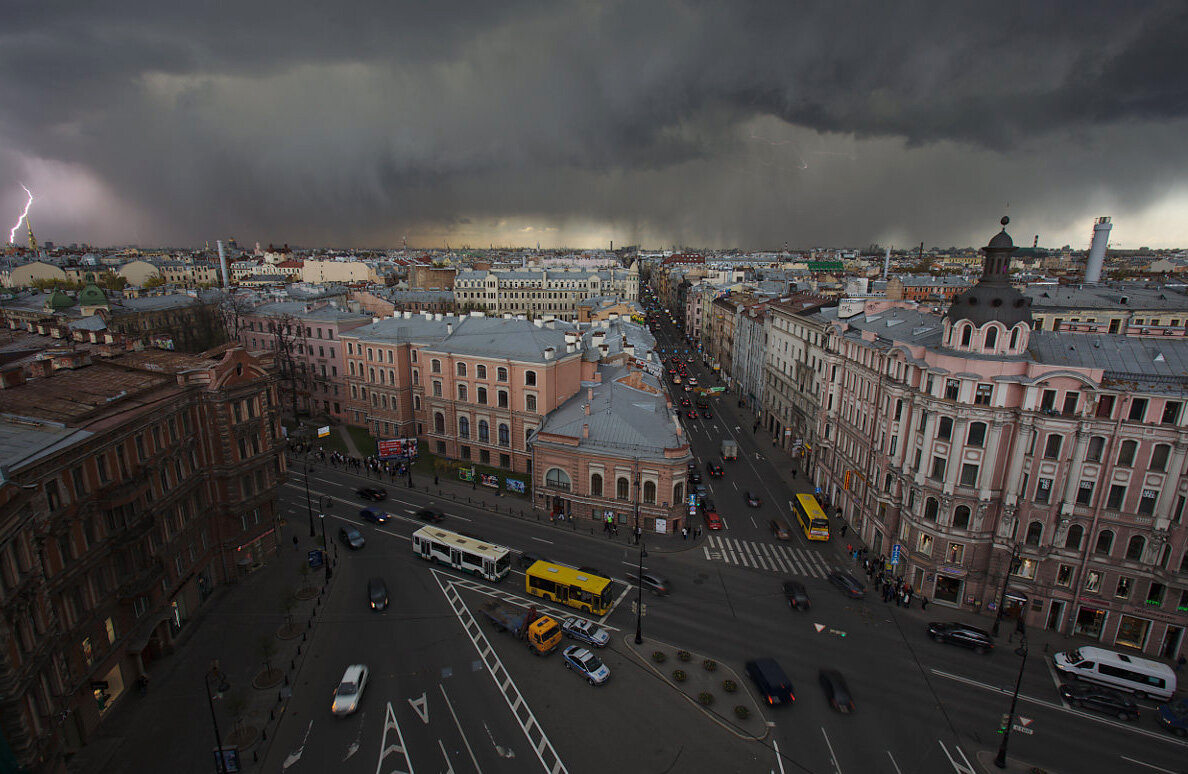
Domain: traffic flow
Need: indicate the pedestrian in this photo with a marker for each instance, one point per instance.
(434, 479)
(793, 472)
(923, 602)
(843, 530)
(684, 533)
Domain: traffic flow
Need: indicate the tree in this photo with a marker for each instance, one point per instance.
(266, 650)
(234, 308)
(285, 330)
(109, 280)
(153, 282)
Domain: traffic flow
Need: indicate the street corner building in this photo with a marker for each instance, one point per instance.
(1006, 469)
(133, 484)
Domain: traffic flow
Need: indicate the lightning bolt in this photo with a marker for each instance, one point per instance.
(25, 214)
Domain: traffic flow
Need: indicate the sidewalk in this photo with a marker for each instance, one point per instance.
(237, 627)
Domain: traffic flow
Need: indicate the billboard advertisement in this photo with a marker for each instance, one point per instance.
(392, 448)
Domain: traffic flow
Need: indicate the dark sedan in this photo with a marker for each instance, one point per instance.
(837, 693)
(351, 538)
(1101, 699)
(426, 514)
(373, 515)
(954, 633)
(372, 493)
(753, 500)
(377, 594)
(848, 584)
(715, 469)
(797, 595)
(694, 477)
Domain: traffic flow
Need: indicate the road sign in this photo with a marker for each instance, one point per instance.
(1018, 729)
(895, 553)
(315, 558)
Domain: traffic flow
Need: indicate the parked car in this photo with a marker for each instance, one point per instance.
(849, 585)
(585, 664)
(374, 515)
(377, 594)
(1174, 716)
(954, 633)
(837, 693)
(753, 499)
(351, 537)
(701, 492)
(430, 515)
(350, 690)
(796, 595)
(585, 631)
(372, 493)
(715, 469)
(778, 530)
(1096, 697)
(769, 677)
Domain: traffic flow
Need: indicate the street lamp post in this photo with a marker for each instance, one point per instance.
(221, 688)
(1000, 759)
(1012, 565)
(410, 462)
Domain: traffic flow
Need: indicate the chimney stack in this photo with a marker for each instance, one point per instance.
(223, 263)
(1097, 250)
(585, 431)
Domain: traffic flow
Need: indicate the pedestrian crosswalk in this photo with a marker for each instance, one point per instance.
(773, 557)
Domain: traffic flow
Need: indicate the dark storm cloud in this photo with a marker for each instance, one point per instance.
(743, 123)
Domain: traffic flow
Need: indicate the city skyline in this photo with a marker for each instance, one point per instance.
(670, 124)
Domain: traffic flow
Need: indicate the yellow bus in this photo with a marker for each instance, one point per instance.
(577, 589)
(812, 519)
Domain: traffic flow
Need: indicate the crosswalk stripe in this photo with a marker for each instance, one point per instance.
(771, 557)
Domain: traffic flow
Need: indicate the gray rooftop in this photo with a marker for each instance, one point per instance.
(1106, 297)
(326, 313)
(24, 441)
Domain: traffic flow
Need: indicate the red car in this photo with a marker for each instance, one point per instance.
(713, 520)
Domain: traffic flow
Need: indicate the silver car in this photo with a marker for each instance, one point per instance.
(350, 690)
(585, 664)
(585, 631)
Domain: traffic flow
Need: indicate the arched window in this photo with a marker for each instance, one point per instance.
(649, 492)
(991, 338)
(484, 431)
(502, 398)
(622, 489)
(1159, 456)
(931, 507)
(438, 422)
(1135, 548)
(501, 374)
(530, 403)
(504, 435)
(966, 335)
(1096, 448)
(482, 395)
(678, 493)
(557, 478)
(351, 365)
(435, 366)
(1126, 453)
(961, 517)
(596, 485)
(480, 372)
(463, 427)
(1105, 541)
(977, 434)
(1076, 533)
(462, 393)
(371, 374)
(530, 378)
(461, 369)
(1035, 530)
(944, 430)
(1014, 338)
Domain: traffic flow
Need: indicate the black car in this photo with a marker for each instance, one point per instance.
(1101, 699)
(714, 469)
(797, 595)
(372, 493)
(753, 499)
(849, 585)
(373, 515)
(694, 478)
(954, 633)
(769, 677)
(426, 514)
(837, 693)
(351, 537)
(377, 594)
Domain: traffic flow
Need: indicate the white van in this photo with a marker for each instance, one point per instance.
(1117, 670)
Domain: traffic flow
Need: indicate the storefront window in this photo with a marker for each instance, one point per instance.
(1090, 622)
(1027, 568)
(1092, 581)
(948, 590)
(1132, 631)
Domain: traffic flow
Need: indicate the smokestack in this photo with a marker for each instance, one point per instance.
(1097, 250)
(886, 264)
(223, 263)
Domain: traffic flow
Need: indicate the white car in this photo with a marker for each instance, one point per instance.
(585, 664)
(350, 690)
(586, 631)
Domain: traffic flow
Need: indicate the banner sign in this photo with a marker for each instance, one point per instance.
(466, 474)
(489, 480)
(391, 448)
(323, 431)
(514, 485)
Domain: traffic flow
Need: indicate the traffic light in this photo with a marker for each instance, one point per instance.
(1004, 722)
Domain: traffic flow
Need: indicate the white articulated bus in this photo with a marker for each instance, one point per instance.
(1140, 676)
(468, 554)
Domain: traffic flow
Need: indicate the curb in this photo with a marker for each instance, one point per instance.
(701, 708)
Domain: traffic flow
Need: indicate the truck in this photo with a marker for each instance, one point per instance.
(729, 449)
(541, 633)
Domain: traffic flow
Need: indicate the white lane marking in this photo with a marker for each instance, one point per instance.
(627, 589)
(542, 540)
(836, 765)
(893, 763)
(1148, 765)
(420, 705)
(354, 746)
(444, 754)
(465, 741)
(295, 756)
(779, 758)
(507, 687)
(960, 768)
(398, 747)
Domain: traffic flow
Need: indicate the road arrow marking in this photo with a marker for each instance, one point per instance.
(421, 706)
(819, 627)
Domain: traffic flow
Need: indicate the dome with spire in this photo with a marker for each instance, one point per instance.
(993, 298)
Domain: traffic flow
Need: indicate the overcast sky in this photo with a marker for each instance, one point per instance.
(732, 124)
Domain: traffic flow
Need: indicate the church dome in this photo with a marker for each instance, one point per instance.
(993, 298)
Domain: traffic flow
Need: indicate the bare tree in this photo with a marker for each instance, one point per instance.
(285, 330)
(234, 308)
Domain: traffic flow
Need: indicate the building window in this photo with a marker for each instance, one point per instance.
(931, 508)
(977, 434)
(956, 553)
(966, 335)
(530, 403)
(484, 434)
(952, 388)
(1159, 456)
(961, 517)
(944, 430)
(1085, 493)
(1052, 447)
(480, 372)
(463, 427)
(1135, 548)
(1035, 530)
(969, 474)
(622, 489)
(1096, 449)
(1147, 502)
(1070, 403)
(436, 388)
(461, 369)
(596, 485)
(938, 468)
(982, 394)
(1155, 594)
(1076, 533)
(504, 435)
(649, 492)
(504, 461)
(1105, 542)
(1126, 453)
(1117, 497)
(1048, 400)
(530, 378)
(557, 479)
(482, 396)
(1064, 575)
(1092, 581)
(462, 392)
(991, 338)
(1171, 413)
(438, 422)
(501, 374)
(501, 398)
(435, 366)
(925, 544)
